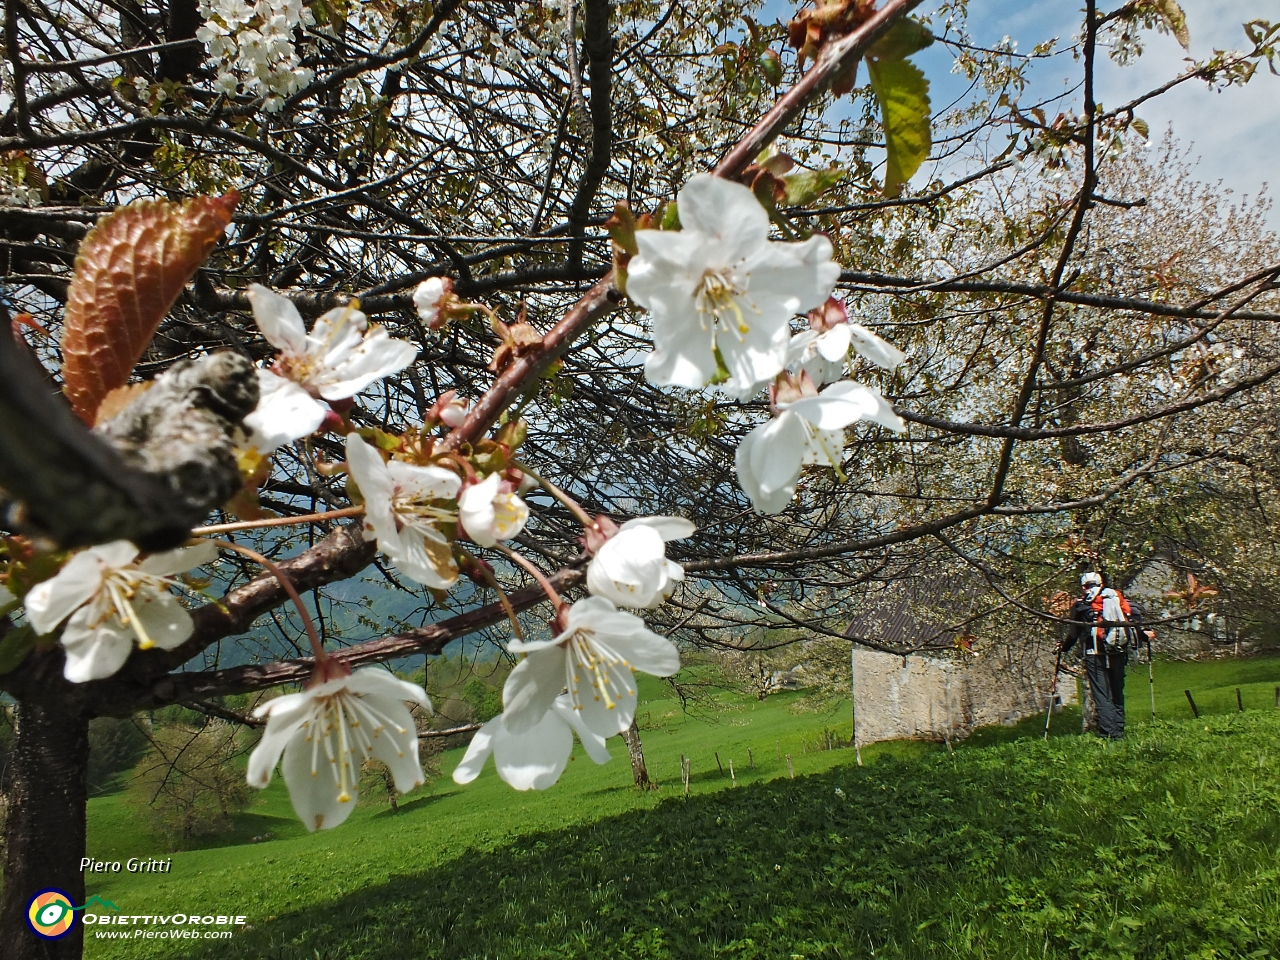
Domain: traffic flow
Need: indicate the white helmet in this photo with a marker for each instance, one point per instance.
(1091, 579)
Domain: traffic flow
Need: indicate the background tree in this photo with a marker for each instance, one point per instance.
(190, 782)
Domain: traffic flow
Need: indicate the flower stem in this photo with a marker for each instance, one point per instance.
(583, 517)
(317, 648)
(276, 521)
(537, 574)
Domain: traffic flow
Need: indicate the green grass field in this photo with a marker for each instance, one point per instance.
(1162, 846)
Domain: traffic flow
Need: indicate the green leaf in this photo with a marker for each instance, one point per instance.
(15, 646)
(807, 185)
(905, 37)
(1176, 19)
(903, 94)
(1141, 126)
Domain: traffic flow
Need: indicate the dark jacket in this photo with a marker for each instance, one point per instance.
(1083, 615)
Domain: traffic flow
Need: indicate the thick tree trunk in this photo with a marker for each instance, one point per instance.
(45, 834)
(638, 770)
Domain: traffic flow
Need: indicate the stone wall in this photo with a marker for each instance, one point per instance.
(945, 698)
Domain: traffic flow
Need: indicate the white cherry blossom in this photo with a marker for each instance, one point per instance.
(807, 430)
(428, 298)
(594, 656)
(719, 285)
(404, 508)
(821, 350)
(327, 732)
(111, 600)
(490, 511)
(534, 759)
(285, 412)
(631, 568)
(341, 355)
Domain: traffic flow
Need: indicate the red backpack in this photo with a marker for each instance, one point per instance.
(1110, 638)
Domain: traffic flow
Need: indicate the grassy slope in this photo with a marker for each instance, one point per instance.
(987, 852)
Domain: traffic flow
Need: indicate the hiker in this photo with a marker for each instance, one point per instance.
(1106, 648)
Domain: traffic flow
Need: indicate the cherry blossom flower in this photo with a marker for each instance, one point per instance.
(821, 350)
(534, 759)
(404, 508)
(719, 289)
(341, 356)
(328, 731)
(285, 412)
(808, 429)
(630, 569)
(490, 511)
(111, 600)
(594, 656)
(428, 298)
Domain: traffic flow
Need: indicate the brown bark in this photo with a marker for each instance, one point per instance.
(45, 834)
(636, 749)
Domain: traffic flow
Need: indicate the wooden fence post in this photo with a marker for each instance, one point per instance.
(1194, 711)
(1239, 701)
(790, 770)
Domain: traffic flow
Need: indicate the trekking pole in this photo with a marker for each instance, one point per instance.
(1151, 677)
(1053, 691)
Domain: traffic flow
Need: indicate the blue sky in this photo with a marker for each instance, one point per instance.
(1235, 133)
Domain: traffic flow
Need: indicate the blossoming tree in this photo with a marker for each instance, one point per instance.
(507, 302)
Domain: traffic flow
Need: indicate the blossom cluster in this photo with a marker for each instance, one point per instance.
(254, 42)
(722, 296)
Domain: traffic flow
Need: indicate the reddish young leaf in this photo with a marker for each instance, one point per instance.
(130, 269)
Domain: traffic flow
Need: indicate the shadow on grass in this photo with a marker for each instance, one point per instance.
(248, 828)
(412, 805)
(984, 853)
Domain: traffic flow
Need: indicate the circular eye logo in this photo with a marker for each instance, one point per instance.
(51, 914)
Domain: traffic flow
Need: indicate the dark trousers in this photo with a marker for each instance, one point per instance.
(1106, 684)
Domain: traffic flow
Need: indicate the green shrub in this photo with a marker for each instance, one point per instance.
(115, 745)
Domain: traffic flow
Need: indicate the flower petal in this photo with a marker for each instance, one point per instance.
(476, 512)
(607, 719)
(279, 320)
(880, 352)
(595, 745)
(768, 462)
(51, 601)
(834, 344)
(314, 794)
(170, 562)
(423, 483)
(162, 619)
(377, 682)
(725, 210)
(646, 651)
(669, 528)
(377, 356)
(534, 759)
(423, 555)
(94, 653)
(396, 746)
(285, 412)
(478, 751)
(844, 403)
(284, 723)
(533, 686)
